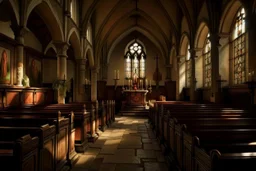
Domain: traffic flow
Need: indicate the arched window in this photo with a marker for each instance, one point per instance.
(188, 67)
(135, 61)
(207, 62)
(71, 9)
(239, 47)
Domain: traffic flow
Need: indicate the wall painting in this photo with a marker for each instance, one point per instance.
(5, 71)
(34, 71)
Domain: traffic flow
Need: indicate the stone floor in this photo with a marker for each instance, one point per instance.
(128, 145)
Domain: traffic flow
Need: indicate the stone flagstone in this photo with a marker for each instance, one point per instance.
(128, 145)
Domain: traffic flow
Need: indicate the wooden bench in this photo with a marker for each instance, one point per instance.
(19, 153)
(217, 139)
(47, 137)
(80, 124)
(208, 115)
(64, 152)
(78, 109)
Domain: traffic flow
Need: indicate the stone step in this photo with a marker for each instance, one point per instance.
(132, 109)
(134, 113)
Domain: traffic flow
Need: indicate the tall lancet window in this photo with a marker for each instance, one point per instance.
(239, 41)
(135, 62)
(188, 67)
(207, 63)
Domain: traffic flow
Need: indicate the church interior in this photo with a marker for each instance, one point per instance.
(116, 85)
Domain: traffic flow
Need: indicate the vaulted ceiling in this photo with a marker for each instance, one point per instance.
(159, 20)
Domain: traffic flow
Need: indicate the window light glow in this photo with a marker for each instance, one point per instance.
(135, 63)
(239, 53)
(207, 62)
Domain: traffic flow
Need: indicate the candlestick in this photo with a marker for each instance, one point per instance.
(115, 76)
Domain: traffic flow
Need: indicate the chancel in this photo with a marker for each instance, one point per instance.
(127, 85)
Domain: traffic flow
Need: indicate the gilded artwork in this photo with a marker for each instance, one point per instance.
(34, 72)
(5, 75)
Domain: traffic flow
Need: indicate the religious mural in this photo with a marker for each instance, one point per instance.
(5, 73)
(34, 71)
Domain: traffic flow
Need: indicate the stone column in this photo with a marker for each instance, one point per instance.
(81, 79)
(19, 36)
(62, 48)
(193, 75)
(94, 72)
(214, 38)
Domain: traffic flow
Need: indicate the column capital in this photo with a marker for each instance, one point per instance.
(19, 32)
(61, 47)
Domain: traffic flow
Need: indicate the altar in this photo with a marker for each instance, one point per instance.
(135, 97)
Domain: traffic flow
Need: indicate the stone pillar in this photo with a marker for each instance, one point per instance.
(214, 38)
(94, 72)
(62, 48)
(19, 36)
(81, 79)
(193, 75)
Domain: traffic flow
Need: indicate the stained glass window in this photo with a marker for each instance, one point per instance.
(142, 66)
(188, 67)
(135, 63)
(239, 47)
(71, 9)
(128, 66)
(207, 63)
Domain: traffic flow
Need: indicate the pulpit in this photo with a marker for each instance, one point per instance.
(135, 97)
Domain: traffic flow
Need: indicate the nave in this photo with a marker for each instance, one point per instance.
(129, 144)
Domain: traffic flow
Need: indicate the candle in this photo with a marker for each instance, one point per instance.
(64, 77)
(149, 83)
(146, 82)
(115, 74)
(123, 83)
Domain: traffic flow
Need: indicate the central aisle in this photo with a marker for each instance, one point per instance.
(128, 145)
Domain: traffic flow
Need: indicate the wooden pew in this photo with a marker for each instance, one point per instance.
(235, 139)
(46, 135)
(177, 144)
(80, 124)
(90, 114)
(103, 116)
(180, 141)
(19, 153)
(63, 152)
(199, 112)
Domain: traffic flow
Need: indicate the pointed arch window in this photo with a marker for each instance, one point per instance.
(239, 41)
(207, 62)
(188, 67)
(135, 61)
